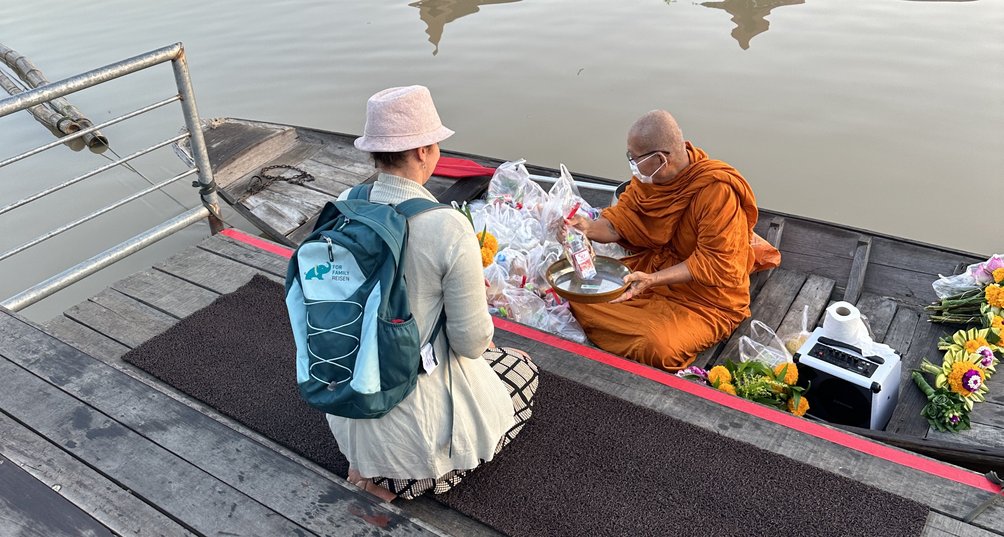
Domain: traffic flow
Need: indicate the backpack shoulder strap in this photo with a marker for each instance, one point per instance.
(360, 192)
(416, 206)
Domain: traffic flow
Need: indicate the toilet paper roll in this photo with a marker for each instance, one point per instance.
(843, 323)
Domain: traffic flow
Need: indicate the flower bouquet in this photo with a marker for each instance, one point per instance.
(757, 382)
(946, 411)
(966, 298)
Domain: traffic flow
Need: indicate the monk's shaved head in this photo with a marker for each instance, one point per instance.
(657, 131)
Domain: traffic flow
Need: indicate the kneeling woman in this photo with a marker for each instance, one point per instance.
(460, 416)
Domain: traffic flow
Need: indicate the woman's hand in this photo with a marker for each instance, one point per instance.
(639, 283)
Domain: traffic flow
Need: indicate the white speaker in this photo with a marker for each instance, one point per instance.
(846, 387)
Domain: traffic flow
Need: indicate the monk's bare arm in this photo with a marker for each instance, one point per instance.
(599, 230)
(642, 281)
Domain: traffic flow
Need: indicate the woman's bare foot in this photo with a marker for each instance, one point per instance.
(369, 486)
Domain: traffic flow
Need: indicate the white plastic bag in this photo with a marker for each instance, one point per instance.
(511, 185)
(762, 344)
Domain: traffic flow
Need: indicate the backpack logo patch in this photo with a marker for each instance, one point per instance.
(318, 272)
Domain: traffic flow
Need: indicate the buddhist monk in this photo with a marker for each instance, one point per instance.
(688, 219)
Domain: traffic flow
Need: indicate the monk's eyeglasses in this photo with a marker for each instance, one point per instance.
(643, 157)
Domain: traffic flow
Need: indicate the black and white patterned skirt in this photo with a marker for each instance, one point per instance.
(519, 374)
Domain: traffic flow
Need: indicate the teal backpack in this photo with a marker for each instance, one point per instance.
(357, 344)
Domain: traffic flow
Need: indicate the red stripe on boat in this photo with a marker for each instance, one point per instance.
(864, 445)
(258, 242)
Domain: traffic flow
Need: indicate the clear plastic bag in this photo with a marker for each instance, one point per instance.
(762, 344)
(511, 185)
(562, 196)
(563, 323)
(794, 340)
(527, 308)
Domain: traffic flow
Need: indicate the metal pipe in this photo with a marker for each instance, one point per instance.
(43, 114)
(76, 135)
(91, 173)
(582, 184)
(91, 78)
(199, 152)
(94, 215)
(86, 268)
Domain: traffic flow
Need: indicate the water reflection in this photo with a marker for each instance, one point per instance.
(749, 16)
(437, 13)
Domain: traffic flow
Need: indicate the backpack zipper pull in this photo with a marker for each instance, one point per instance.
(331, 251)
(345, 221)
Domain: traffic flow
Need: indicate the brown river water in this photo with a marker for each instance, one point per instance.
(886, 115)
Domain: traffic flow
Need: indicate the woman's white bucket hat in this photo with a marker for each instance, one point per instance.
(399, 119)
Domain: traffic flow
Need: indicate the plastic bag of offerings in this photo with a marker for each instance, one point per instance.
(562, 195)
(511, 185)
(763, 345)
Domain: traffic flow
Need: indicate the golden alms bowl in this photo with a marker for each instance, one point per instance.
(606, 286)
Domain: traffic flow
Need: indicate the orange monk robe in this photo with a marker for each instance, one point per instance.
(704, 218)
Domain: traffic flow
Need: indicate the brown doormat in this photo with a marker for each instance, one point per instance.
(586, 464)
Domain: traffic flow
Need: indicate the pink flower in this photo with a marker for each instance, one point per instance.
(972, 380)
(980, 274)
(986, 356)
(694, 373)
(994, 263)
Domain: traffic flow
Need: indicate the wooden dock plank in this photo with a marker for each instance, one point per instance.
(945, 496)
(176, 486)
(108, 503)
(29, 508)
(188, 449)
(83, 338)
(939, 525)
(246, 254)
(123, 319)
(165, 293)
(209, 270)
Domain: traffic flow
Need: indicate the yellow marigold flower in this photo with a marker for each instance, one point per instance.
(487, 256)
(489, 241)
(727, 388)
(803, 406)
(995, 295)
(960, 374)
(973, 344)
(997, 323)
(720, 375)
(998, 275)
(790, 374)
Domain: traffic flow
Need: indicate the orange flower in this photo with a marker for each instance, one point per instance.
(720, 375)
(790, 374)
(973, 344)
(961, 371)
(803, 406)
(727, 388)
(997, 323)
(489, 241)
(998, 275)
(994, 295)
(487, 256)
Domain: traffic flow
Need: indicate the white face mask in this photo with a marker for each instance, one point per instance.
(647, 179)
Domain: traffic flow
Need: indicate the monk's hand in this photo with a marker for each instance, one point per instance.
(638, 283)
(577, 221)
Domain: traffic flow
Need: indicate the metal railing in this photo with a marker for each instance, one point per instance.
(207, 187)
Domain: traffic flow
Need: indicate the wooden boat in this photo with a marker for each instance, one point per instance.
(93, 439)
(887, 278)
